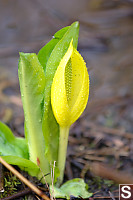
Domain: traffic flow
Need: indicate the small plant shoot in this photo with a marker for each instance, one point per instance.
(54, 87)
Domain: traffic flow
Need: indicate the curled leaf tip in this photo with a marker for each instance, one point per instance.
(70, 88)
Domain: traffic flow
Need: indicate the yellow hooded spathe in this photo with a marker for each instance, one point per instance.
(70, 88)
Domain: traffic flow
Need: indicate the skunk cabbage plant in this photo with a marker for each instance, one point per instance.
(69, 96)
(54, 88)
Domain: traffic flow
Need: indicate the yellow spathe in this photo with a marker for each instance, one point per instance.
(70, 88)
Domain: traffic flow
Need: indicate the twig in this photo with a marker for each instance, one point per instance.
(107, 130)
(16, 100)
(84, 170)
(77, 164)
(95, 106)
(111, 195)
(95, 158)
(1, 178)
(24, 180)
(109, 173)
(105, 197)
(19, 194)
(69, 171)
(105, 151)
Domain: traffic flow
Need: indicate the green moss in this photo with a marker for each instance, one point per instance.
(11, 183)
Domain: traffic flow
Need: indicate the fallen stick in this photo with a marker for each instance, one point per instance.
(106, 172)
(24, 180)
(17, 195)
(107, 130)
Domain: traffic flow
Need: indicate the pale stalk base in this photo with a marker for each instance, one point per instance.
(63, 141)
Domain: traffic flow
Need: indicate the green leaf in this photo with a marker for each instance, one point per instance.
(76, 187)
(44, 53)
(32, 83)
(50, 126)
(24, 164)
(11, 145)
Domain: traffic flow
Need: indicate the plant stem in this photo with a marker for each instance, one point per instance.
(63, 141)
(37, 149)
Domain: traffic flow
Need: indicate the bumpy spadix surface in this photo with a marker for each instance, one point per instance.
(70, 88)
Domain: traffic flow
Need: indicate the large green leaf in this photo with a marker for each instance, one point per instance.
(50, 126)
(75, 187)
(44, 53)
(24, 164)
(32, 83)
(11, 145)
